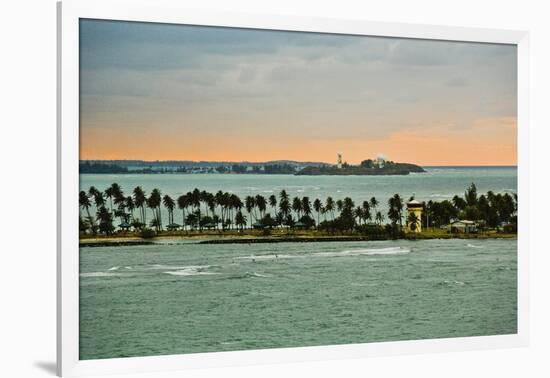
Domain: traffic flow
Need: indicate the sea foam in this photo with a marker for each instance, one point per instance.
(474, 246)
(347, 252)
(192, 270)
(364, 251)
(98, 274)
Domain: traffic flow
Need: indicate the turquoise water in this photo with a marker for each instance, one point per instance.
(187, 298)
(437, 184)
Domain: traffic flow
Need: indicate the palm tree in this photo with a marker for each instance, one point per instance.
(105, 220)
(169, 203)
(273, 203)
(240, 220)
(117, 195)
(204, 197)
(155, 223)
(226, 208)
(183, 204)
(211, 203)
(154, 202)
(129, 204)
(297, 206)
(109, 195)
(459, 203)
(139, 202)
(236, 203)
(339, 205)
(250, 204)
(284, 203)
(329, 206)
(366, 211)
(261, 203)
(470, 196)
(358, 213)
(379, 218)
(85, 203)
(220, 201)
(428, 210)
(99, 200)
(306, 206)
(94, 193)
(373, 203)
(395, 210)
(413, 221)
(191, 220)
(318, 206)
(195, 196)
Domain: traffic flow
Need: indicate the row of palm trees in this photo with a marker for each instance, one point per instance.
(222, 210)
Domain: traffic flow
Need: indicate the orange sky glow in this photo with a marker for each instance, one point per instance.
(430, 146)
(178, 92)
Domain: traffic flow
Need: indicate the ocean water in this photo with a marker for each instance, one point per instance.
(436, 184)
(172, 298)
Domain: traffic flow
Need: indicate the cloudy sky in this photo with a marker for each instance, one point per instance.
(170, 92)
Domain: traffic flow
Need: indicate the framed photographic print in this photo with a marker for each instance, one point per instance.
(240, 189)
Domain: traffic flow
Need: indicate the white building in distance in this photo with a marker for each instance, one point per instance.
(380, 160)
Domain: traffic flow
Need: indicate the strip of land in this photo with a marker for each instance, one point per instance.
(253, 237)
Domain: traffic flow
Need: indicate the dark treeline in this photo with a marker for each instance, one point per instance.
(88, 167)
(367, 167)
(282, 168)
(200, 210)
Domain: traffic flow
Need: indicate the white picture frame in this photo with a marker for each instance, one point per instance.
(69, 13)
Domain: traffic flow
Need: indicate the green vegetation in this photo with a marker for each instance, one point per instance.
(204, 213)
(89, 167)
(367, 167)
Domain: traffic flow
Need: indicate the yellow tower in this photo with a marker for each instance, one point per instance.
(414, 207)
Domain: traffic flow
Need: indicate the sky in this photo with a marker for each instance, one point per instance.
(176, 92)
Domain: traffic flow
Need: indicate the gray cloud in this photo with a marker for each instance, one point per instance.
(300, 83)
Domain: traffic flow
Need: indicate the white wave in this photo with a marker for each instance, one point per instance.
(348, 252)
(128, 267)
(175, 267)
(267, 257)
(98, 274)
(114, 268)
(258, 275)
(454, 282)
(365, 251)
(474, 246)
(192, 270)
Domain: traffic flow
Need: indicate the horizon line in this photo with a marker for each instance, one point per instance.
(296, 161)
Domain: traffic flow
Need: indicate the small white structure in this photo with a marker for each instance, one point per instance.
(380, 160)
(463, 226)
(339, 161)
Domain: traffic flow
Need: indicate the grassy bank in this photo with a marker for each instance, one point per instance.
(275, 236)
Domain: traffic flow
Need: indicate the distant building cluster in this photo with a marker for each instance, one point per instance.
(380, 160)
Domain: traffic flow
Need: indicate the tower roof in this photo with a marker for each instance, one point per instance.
(414, 203)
